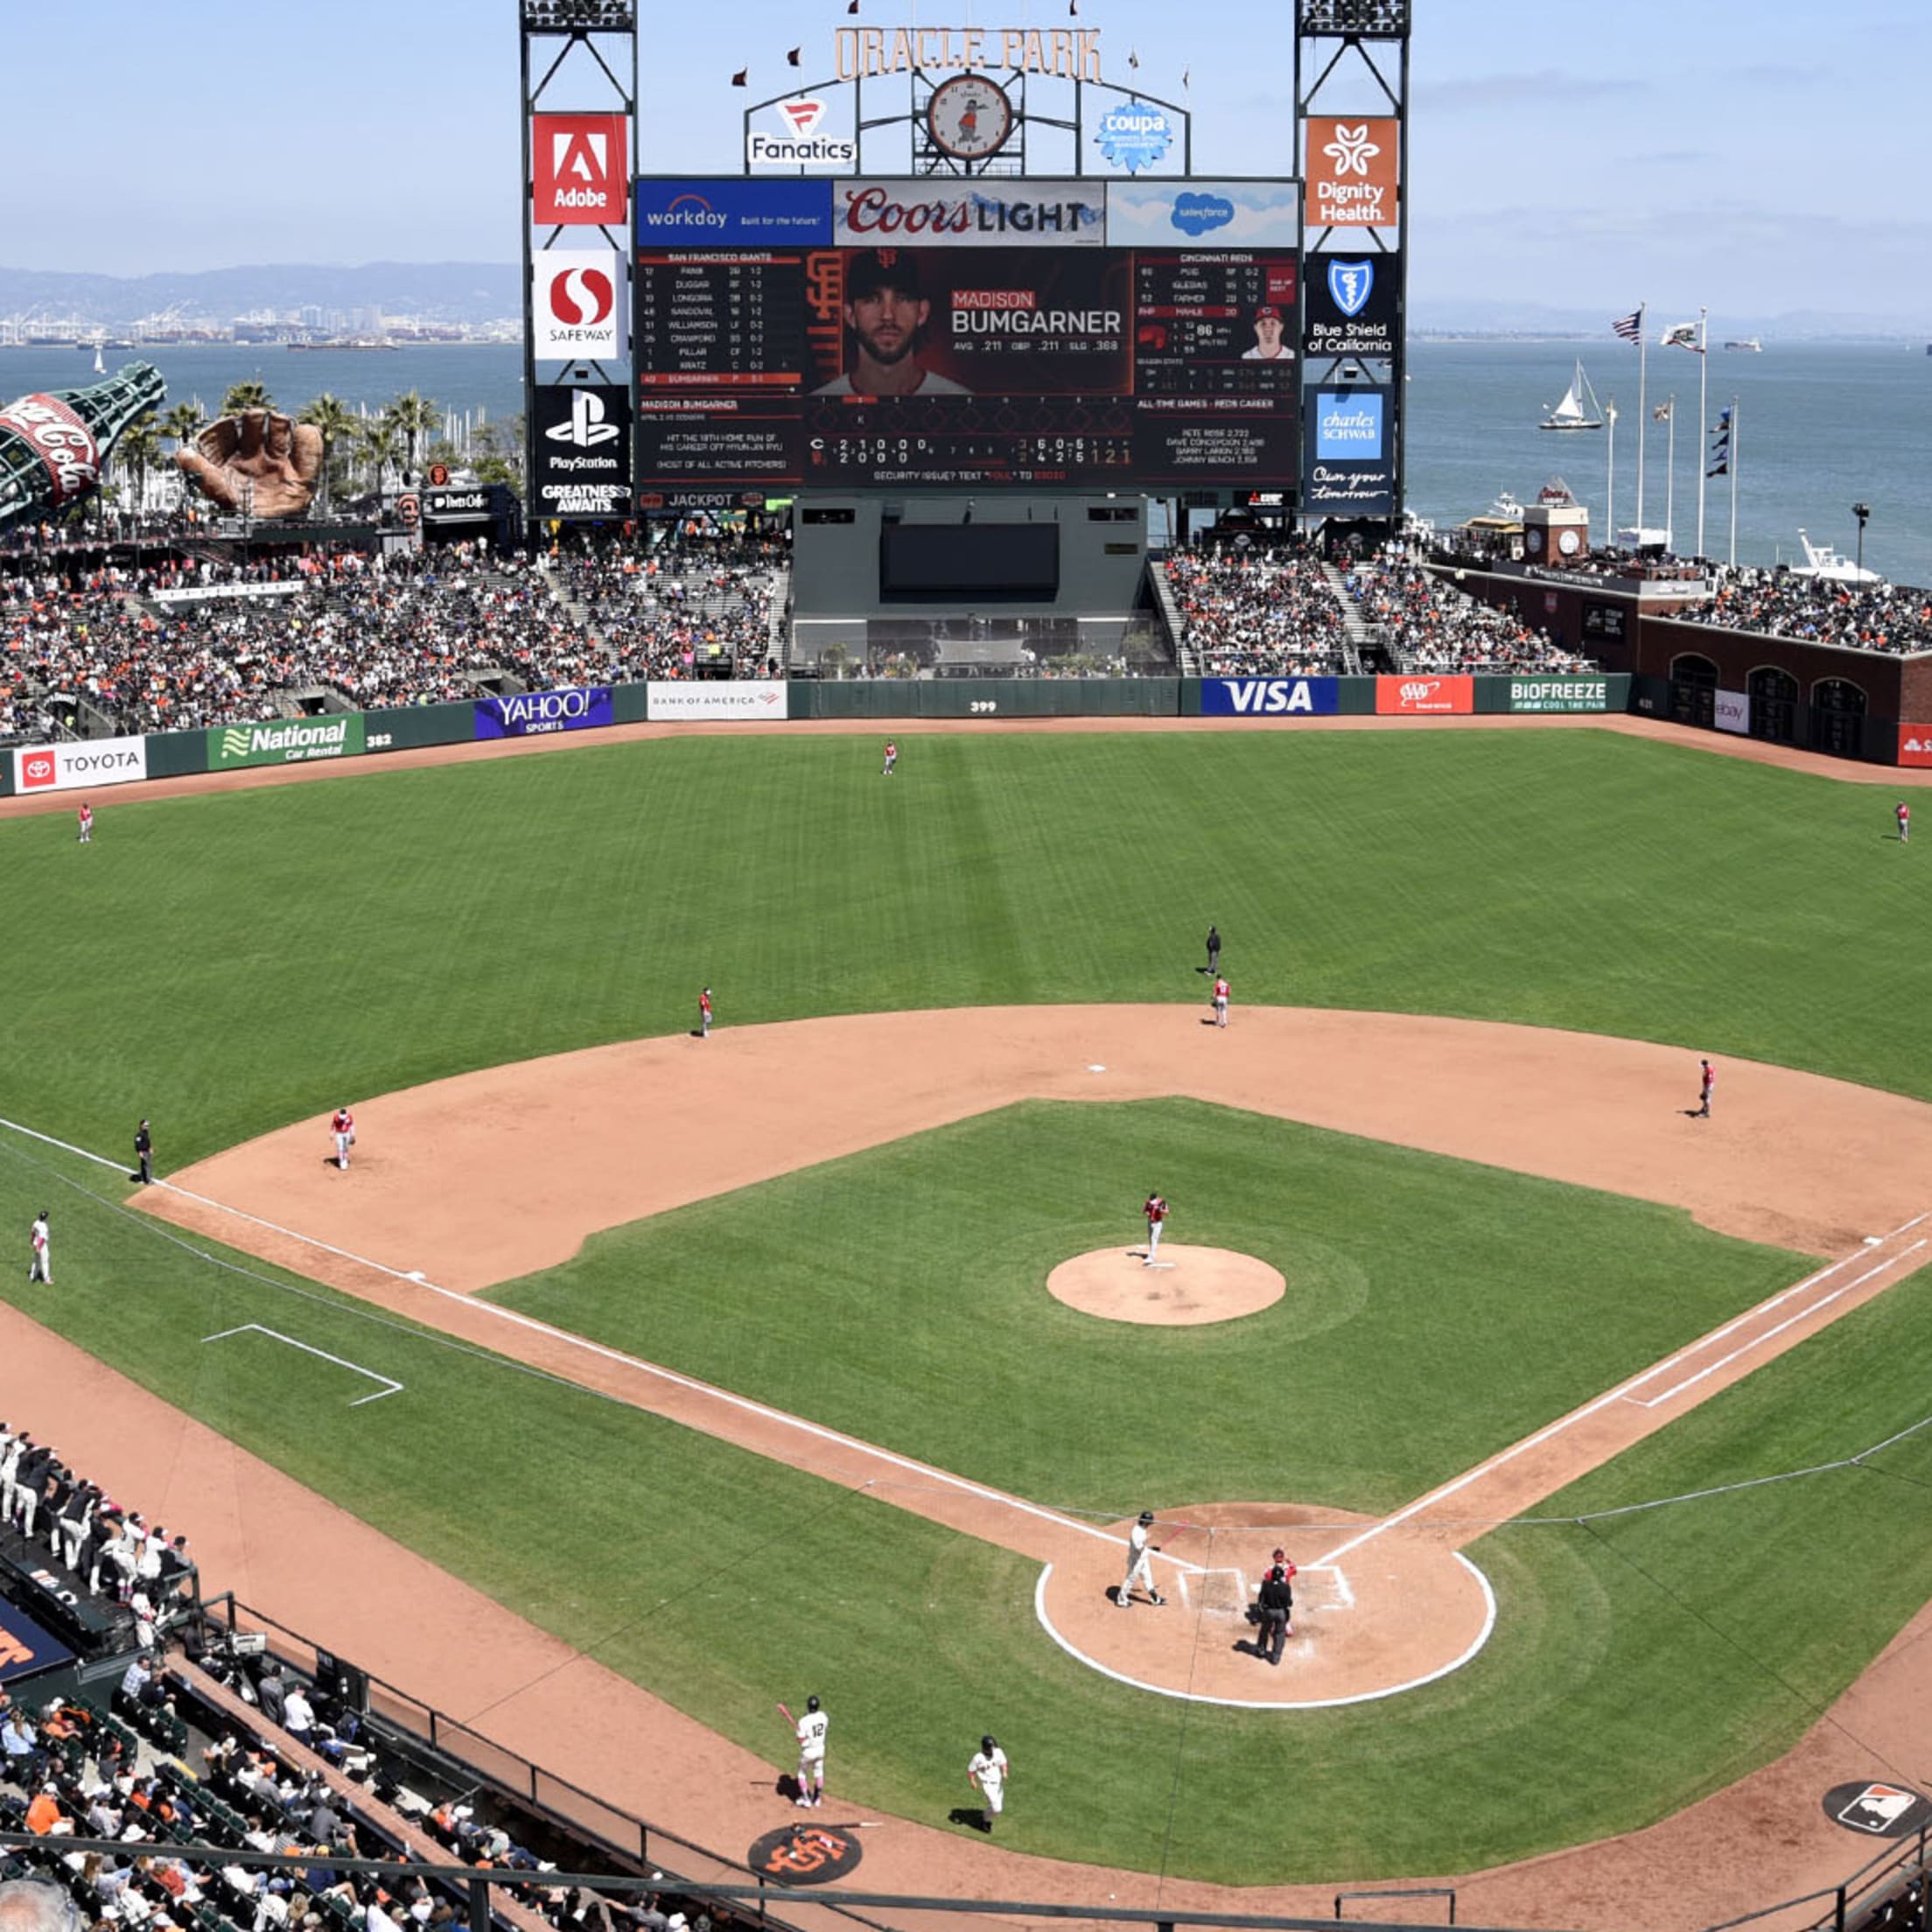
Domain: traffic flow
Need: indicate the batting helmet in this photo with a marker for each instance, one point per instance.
(1147, 1515)
(811, 1704)
(987, 1744)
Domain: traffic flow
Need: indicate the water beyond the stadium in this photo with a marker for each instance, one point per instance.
(1821, 426)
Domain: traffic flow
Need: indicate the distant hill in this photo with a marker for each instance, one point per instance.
(434, 291)
(1491, 317)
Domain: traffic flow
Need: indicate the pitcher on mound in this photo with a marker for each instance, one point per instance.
(1156, 1211)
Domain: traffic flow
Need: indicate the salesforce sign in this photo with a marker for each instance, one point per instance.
(528, 713)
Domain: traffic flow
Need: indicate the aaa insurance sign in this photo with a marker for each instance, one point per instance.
(580, 170)
(577, 303)
(582, 451)
(80, 765)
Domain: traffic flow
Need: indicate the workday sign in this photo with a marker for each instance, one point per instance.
(527, 714)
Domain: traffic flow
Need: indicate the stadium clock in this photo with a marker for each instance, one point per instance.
(970, 117)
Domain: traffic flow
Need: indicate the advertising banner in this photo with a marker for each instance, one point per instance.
(74, 766)
(1134, 135)
(580, 169)
(288, 741)
(25, 1648)
(1735, 711)
(702, 700)
(583, 445)
(1425, 697)
(1350, 304)
(1604, 620)
(1348, 457)
(1269, 697)
(577, 303)
(984, 213)
(477, 506)
(1559, 694)
(1915, 745)
(1350, 170)
(795, 141)
(1190, 213)
(730, 211)
(208, 593)
(528, 714)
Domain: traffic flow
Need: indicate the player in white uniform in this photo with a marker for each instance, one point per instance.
(42, 1269)
(1140, 1563)
(989, 1770)
(811, 1730)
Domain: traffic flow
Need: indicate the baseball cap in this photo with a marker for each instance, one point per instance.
(873, 269)
(1267, 309)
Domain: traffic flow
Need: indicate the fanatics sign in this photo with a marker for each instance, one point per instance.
(580, 165)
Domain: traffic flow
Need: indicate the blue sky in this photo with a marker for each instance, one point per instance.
(1584, 153)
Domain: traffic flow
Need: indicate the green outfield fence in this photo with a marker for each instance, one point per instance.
(338, 735)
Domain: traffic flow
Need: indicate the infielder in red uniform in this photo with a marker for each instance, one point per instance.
(342, 1126)
(1707, 1086)
(1221, 1003)
(1155, 1212)
(705, 1014)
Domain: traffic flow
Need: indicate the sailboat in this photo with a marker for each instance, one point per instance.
(1569, 414)
(100, 367)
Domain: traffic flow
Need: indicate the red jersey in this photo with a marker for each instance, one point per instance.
(1710, 1079)
(1904, 815)
(344, 1121)
(1221, 989)
(704, 1003)
(1156, 1209)
(86, 815)
(891, 750)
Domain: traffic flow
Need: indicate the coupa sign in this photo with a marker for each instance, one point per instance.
(1269, 697)
(525, 714)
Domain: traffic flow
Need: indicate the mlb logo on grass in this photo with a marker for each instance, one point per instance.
(1348, 422)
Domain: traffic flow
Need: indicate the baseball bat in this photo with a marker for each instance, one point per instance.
(787, 1717)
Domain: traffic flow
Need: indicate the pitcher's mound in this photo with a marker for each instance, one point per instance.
(1186, 1285)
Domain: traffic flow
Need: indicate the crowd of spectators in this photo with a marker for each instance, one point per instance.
(1245, 610)
(1862, 617)
(359, 631)
(1427, 624)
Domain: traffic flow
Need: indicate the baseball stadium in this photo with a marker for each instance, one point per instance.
(799, 1081)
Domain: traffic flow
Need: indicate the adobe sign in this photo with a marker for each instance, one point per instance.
(580, 170)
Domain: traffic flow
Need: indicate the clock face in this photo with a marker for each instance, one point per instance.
(1569, 542)
(970, 117)
(1533, 538)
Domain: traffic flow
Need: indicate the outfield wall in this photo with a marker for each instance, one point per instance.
(94, 764)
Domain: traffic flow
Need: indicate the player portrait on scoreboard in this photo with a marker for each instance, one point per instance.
(1269, 345)
(886, 313)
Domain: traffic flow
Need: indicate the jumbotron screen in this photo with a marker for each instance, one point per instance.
(947, 334)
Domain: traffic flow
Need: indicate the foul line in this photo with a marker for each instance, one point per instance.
(1618, 1393)
(390, 1386)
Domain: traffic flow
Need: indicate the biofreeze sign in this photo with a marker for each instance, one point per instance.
(81, 765)
(1269, 697)
(1558, 694)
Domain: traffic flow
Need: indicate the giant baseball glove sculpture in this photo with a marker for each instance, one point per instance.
(279, 457)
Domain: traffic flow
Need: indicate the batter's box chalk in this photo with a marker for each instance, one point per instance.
(1323, 1587)
(1223, 1590)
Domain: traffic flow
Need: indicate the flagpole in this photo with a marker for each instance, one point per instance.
(1670, 477)
(1643, 317)
(1734, 440)
(1703, 410)
(1610, 481)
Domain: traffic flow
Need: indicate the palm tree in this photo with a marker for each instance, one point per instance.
(337, 423)
(381, 443)
(247, 395)
(182, 423)
(136, 450)
(415, 417)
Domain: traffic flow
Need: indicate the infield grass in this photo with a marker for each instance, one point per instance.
(900, 1294)
(228, 963)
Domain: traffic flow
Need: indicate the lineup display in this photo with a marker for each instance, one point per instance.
(980, 337)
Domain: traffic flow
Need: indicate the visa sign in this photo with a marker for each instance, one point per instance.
(1269, 697)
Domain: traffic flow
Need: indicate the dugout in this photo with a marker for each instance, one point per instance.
(1001, 583)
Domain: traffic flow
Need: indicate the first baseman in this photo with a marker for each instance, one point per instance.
(1140, 1563)
(811, 1730)
(42, 1267)
(989, 1770)
(1156, 1211)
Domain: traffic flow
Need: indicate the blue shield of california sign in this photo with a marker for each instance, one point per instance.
(1133, 135)
(1350, 284)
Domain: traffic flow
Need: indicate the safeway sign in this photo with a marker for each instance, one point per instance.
(81, 766)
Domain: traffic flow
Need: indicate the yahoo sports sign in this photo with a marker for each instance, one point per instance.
(527, 714)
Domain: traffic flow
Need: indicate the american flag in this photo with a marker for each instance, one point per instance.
(1630, 327)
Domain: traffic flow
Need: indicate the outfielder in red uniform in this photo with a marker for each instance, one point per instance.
(1903, 812)
(1155, 1212)
(86, 817)
(891, 757)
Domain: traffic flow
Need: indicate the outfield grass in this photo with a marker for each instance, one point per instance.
(1635, 1664)
(228, 963)
(900, 1294)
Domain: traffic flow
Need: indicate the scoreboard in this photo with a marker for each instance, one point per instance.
(949, 335)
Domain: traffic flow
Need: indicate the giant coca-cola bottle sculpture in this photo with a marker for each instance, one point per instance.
(52, 445)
